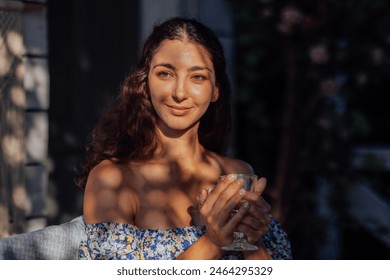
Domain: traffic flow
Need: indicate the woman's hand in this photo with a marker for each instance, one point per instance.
(255, 223)
(216, 208)
(252, 219)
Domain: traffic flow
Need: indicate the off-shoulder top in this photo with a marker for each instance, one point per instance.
(125, 241)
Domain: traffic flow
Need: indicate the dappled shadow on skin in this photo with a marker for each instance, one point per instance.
(169, 196)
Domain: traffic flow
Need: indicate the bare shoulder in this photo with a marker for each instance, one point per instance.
(106, 175)
(233, 165)
(109, 195)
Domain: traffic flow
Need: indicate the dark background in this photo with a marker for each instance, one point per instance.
(92, 47)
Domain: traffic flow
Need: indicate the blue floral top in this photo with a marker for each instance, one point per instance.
(125, 241)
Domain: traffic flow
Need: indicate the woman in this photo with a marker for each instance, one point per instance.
(156, 155)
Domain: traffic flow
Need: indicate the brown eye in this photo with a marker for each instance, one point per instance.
(199, 78)
(164, 75)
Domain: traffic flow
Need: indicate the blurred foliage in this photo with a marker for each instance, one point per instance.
(311, 83)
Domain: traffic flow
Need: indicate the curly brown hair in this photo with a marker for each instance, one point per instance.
(127, 132)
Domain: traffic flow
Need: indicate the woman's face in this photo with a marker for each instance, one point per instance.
(181, 83)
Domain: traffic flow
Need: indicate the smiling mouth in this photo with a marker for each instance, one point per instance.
(179, 110)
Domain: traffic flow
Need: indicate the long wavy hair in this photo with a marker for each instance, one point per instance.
(127, 132)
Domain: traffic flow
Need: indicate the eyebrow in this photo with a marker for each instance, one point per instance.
(192, 69)
(167, 65)
(197, 68)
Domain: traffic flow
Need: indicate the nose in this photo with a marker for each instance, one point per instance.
(179, 92)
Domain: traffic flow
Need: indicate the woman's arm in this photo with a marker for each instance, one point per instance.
(202, 249)
(107, 195)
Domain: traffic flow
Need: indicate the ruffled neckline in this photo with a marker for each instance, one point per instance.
(135, 228)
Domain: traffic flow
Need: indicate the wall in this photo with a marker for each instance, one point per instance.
(24, 120)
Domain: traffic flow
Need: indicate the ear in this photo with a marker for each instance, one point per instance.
(215, 95)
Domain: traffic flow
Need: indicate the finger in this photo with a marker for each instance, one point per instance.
(225, 196)
(251, 222)
(228, 200)
(263, 204)
(259, 185)
(256, 219)
(217, 190)
(259, 201)
(218, 213)
(258, 213)
(251, 234)
(234, 221)
(202, 197)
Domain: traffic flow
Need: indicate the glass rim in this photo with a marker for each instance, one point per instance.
(250, 175)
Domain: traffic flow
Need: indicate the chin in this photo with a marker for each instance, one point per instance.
(179, 127)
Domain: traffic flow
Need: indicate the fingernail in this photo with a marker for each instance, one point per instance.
(241, 181)
(230, 177)
(246, 205)
(242, 192)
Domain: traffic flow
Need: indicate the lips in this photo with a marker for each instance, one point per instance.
(179, 110)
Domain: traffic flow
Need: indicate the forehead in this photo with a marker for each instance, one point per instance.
(178, 51)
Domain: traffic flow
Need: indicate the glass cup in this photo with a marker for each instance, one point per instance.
(239, 239)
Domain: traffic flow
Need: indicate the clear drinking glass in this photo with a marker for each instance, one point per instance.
(239, 239)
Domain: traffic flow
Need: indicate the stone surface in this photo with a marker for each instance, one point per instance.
(36, 186)
(36, 84)
(36, 137)
(34, 28)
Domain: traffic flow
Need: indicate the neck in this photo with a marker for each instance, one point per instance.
(180, 145)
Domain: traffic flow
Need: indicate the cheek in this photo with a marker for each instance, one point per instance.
(159, 91)
(202, 93)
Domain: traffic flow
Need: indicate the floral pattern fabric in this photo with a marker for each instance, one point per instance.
(125, 241)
